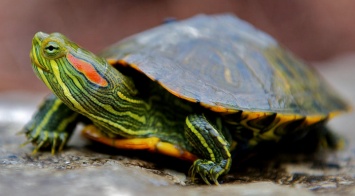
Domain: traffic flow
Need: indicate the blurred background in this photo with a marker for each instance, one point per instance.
(320, 31)
(316, 30)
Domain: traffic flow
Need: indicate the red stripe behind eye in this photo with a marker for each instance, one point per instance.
(87, 69)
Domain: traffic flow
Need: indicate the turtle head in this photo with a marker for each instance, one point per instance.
(46, 48)
(55, 56)
(71, 72)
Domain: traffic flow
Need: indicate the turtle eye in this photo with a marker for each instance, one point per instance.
(51, 49)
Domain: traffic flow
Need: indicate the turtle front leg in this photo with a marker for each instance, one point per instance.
(51, 126)
(211, 145)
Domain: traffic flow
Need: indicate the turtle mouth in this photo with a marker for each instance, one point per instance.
(37, 65)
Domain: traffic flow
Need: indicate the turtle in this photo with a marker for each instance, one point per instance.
(203, 89)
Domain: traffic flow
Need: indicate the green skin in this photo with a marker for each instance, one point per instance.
(133, 115)
(121, 107)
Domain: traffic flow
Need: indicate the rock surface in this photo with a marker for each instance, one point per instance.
(91, 169)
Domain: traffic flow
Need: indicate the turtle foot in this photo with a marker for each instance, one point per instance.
(208, 170)
(51, 126)
(43, 140)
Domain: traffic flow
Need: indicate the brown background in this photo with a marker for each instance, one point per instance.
(315, 30)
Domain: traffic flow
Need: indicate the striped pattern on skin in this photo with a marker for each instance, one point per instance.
(113, 107)
(209, 147)
(209, 142)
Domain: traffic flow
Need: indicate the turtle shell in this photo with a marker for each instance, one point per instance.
(227, 65)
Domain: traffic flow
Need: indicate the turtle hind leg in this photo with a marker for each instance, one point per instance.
(152, 144)
(316, 138)
(51, 126)
(330, 140)
(211, 145)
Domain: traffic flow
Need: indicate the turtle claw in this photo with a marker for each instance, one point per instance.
(44, 139)
(208, 170)
(205, 179)
(38, 147)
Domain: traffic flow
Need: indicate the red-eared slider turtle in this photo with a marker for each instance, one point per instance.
(197, 89)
